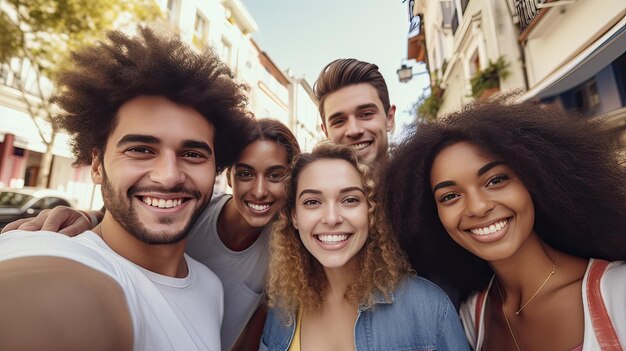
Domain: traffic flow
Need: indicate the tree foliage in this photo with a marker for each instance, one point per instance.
(36, 37)
(428, 107)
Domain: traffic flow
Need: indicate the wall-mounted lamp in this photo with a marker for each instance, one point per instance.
(405, 73)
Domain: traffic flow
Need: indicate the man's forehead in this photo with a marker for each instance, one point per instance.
(351, 97)
(162, 120)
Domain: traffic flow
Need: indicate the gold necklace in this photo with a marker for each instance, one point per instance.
(505, 318)
(527, 302)
(541, 287)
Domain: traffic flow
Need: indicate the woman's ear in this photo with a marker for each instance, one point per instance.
(294, 219)
(229, 171)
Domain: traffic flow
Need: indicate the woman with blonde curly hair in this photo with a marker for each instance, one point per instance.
(337, 278)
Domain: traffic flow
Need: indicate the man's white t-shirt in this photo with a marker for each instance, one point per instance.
(168, 313)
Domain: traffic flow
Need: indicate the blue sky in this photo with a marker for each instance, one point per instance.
(306, 35)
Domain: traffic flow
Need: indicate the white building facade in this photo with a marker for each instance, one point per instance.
(568, 53)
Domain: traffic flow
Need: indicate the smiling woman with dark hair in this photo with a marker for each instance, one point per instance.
(520, 210)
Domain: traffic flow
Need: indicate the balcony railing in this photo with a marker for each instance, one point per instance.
(527, 10)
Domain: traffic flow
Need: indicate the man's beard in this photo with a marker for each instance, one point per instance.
(125, 213)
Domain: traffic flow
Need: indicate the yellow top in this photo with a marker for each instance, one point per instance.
(295, 342)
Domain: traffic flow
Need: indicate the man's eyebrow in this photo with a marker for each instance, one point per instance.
(364, 106)
(197, 144)
(484, 169)
(138, 138)
(443, 185)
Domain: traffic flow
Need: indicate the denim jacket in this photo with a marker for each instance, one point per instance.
(419, 317)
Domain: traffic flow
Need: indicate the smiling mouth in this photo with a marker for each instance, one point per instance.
(332, 238)
(162, 203)
(361, 145)
(492, 228)
(258, 208)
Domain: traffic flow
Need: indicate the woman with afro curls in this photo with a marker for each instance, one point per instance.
(520, 210)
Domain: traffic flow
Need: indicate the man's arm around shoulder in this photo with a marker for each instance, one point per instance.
(51, 303)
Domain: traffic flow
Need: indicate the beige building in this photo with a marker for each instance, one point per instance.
(576, 56)
(569, 53)
(461, 38)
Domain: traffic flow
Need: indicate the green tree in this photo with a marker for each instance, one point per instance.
(36, 37)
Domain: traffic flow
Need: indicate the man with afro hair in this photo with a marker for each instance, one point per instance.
(155, 121)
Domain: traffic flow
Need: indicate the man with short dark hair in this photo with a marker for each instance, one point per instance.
(353, 101)
(155, 121)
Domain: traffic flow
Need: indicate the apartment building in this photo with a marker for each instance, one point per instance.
(567, 53)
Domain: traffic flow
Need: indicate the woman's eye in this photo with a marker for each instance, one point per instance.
(352, 200)
(448, 197)
(275, 176)
(244, 174)
(498, 179)
(310, 202)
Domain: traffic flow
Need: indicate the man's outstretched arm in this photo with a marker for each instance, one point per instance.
(51, 303)
(61, 219)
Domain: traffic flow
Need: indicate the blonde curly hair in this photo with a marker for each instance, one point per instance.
(296, 280)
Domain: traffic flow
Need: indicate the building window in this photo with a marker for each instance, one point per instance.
(619, 67)
(173, 6)
(447, 11)
(4, 74)
(201, 30)
(227, 50)
(7, 77)
(587, 98)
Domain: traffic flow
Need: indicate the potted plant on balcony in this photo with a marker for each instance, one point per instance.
(487, 82)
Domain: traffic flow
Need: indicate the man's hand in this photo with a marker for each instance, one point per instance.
(61, 219)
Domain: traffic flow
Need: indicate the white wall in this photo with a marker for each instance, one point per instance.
(564, 31)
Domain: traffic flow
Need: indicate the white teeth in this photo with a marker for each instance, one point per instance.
(258, 208)
(332, 238)
(162, 203)
(491, 228)
(361, 146)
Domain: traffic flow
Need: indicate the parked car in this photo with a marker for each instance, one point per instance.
(28, 202)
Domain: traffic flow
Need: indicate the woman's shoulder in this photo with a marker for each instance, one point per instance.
(420, 293)
(415, 284)
(608, 272)
(611, 277)
(278, 330)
